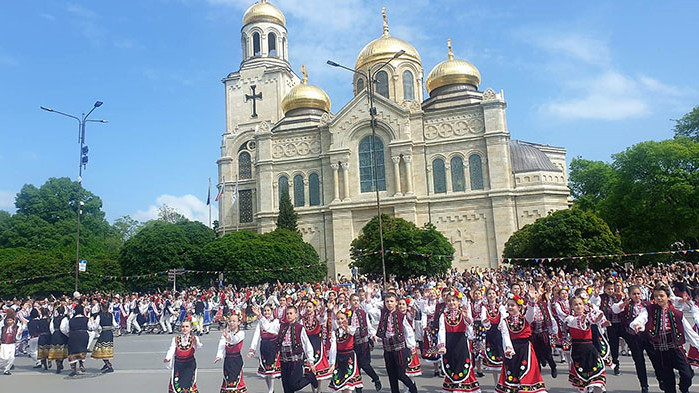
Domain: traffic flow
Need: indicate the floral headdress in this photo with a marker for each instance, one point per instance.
(457, 294)
(517, 299)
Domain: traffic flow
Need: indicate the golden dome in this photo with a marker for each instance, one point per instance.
(384, 47)
(451, 72)
(263, 12)
(306, 96)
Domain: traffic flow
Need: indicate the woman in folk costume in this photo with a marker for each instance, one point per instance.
(184, 371)
(343, 360)
(542, 327)
(44, 344)
(59, 341)
(429, 338)
(599, 338)
(587, 368)
(207, 314)
(491, 313)
(77, 331)
(104, 324)
(115, 309)
(520, 369)
(265, 336)
(413, 368)
(454, 346)
(479, 331)
(229, 347)
(561, 310)
(313, 323)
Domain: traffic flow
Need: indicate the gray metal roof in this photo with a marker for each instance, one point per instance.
(527, 158)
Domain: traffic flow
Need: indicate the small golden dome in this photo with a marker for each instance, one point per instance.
(451, 72)
(306, 96)
(384, 47)
(263, 12)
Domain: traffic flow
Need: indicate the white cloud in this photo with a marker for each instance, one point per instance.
(575, 46)
(187, 205)
(7, 200)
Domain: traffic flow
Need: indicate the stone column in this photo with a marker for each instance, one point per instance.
(447, 175)
(345, 177)
(409, 174)
(396, 175)
(467, 175)
(336, 182)
(291, 190)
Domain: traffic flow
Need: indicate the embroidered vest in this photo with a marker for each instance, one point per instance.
(361, 335)
(9, 334)
(396, 342)
(657, 332)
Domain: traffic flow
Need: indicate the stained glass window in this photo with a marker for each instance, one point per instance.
(475, 171)
(245, 206)
(408, 90)
(283, 186)
(366, 165)
(382, 83)
(299, 199)
(439, 176)
(244, 166)
(458, 182)
(314, 189)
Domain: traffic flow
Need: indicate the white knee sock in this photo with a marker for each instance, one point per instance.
(270, 384)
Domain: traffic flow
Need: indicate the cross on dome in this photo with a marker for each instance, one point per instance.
(451, 53)
(304, 80)
(385, 23)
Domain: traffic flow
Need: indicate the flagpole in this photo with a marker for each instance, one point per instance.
(237, 223)
(223, 208)
(208, 202)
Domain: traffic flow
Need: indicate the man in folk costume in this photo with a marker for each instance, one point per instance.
(76, 330)
(542, 329)
(229, 347)
(295, 348)
(10, 333)
(33, 328)
(364, 331)
(615, 330)
(667, 330)
(398, 341)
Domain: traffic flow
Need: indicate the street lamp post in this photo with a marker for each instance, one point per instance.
(372, 116)
(82, 163)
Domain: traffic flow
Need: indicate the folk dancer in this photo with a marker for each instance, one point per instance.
(520, 369)
(44, 342)
(454, 346)
(229, 347)
(429, 338)
(343, 359)
(265, 337)
(10, 333)
(294, 347)
(615, 330)
(184, 371)
(491, 314)
(76, 330)
(587, 371)
(667, 330)
(363, 332)
(542, 328)
(398, 341)
(104, 324)
(413, 368)
(313, 322)
(59, 341)
(33, 328)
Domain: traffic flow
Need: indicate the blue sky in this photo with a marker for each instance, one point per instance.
(594, 77)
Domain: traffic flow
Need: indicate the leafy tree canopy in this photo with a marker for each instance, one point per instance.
(404, 236)
(688, 125)
(170, 214)
(570, 232)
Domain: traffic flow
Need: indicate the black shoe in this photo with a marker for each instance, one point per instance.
(554, 372)
(140, 332)
(108, 370)
(38, 366)
(616, 370)
(82, 369)
(377, 385)
(104, 367)
(72, 374)
(7, 373)
(480, 374)
(644, 389)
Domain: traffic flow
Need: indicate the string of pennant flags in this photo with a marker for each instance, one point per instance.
(393, 252)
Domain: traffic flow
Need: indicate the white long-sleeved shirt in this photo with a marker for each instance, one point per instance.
(20, 328)
(265, 325)
(173, 346)
(690, 335)
(408, 332)
(95, 324)
(305, 343)
(442, 333)
(230, 339)
(332, 354)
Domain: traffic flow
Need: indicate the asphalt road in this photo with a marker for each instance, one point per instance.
(139, 368)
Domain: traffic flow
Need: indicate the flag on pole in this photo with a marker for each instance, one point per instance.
(208, 194)
(220, 191)
(235, 193)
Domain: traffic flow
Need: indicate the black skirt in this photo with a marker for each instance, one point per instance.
(77, 342)
(184, 376)
(233, 374)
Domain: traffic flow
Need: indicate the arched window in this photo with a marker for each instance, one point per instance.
(314, 189)
(299, 198)
(475, 171)
(272, 44)
(283, 186)
(244, 45)
(360, 85)
(458, 182)
(408, 90)
(245, 206)
(382, 83)
(439, 176)
(366, 164)
(256, 44)
(244, 166)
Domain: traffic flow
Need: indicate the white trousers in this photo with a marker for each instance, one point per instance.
(92, 337)
(7, 356)
(132, 321)
(165, 323)
(34, 348)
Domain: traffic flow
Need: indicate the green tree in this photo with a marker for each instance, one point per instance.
(246, 252)
(590, 182)
(160, 246)
(688, 125)
(126, 227)
(564, 233)
(407, 239)
(654, 199)
(288, 217)
(170, 214)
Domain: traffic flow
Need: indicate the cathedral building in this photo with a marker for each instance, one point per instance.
(445, 158)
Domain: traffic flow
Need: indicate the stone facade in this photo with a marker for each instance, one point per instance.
(447, 159)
